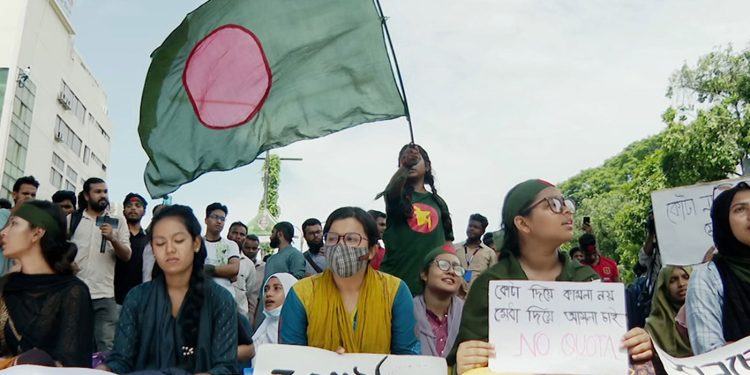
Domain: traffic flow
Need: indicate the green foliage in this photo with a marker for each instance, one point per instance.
(271, 180)
(617, 195)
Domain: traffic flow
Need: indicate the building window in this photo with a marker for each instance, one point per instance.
(86, 155)
(98, 161)
(58, 162)
(66, 135)
(18, 134)
(70, 101)
(71, 174)
(55, 178)
(104, 133)
(69, 186)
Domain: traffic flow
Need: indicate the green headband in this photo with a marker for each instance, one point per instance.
(38, 218)
(519, 198)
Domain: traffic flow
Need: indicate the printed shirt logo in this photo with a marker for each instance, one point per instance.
(424, 219)
(607, 270)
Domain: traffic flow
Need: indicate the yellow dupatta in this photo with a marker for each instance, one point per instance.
(330, 326)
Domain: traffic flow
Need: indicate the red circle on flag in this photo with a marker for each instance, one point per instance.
(227, 77)
(424, 218)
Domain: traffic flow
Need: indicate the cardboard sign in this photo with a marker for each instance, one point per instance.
(557, 327)
(305, 360)
(732, 359)
(683, 221)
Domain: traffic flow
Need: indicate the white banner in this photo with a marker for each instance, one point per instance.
(557, 327)
(305, 360)
(732, 359)
(39, 370)
(683, 221)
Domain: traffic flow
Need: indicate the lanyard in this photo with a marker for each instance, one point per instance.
(470, 258)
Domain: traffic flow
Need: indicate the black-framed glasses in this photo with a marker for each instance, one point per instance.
(556, 204)
(350, 239)
(445, 265)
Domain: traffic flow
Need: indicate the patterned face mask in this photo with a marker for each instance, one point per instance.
(344, 260)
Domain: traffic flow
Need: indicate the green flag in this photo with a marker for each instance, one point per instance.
(239, 77)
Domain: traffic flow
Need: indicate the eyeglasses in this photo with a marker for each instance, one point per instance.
(217, 217)
(556, 204)
(445, 265)
(351, 239)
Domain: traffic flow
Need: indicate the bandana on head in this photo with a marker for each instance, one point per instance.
(430, 257)
(38, 218)
(134, 198)
(518, 199)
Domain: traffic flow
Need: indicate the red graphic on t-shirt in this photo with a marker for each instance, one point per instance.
(424, 219)
(227, 77)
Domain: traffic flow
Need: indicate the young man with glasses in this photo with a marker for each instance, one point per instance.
(223, 255)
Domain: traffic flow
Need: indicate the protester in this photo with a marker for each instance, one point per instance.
(649, 256)
(246, 279)
(475, 256)
(23, 189)
(577, 254)
(489, 240)
(536, 220)
(605, 267)
(315, 260)
(350, 307)
(5, 204)
(380, 221)
(66, 200)
(251, 247)
(418, 219)
(180, 319)
(223, 255)
(718, 300)
(47, 308)
(636, 305)
(288, 259)
(101, 237)
(129, 274)
(438, 309)
(669, 296)
(276, 289)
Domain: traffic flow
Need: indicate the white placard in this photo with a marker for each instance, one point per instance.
(683, 221)
(557, 327)
(305, 360)
(732, 359)
(39, 370)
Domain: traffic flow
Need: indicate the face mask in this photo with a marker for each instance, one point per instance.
(275, 313)
(275, 243)
(345, 261)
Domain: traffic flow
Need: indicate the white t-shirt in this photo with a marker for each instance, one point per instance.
(218, 254)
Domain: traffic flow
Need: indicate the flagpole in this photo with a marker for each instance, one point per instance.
(398, 69)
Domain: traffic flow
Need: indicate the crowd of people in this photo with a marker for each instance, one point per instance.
(85, 286)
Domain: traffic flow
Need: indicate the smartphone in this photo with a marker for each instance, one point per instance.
(113, 221)
(586, 220)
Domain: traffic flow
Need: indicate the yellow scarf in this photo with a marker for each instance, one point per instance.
(330, 326)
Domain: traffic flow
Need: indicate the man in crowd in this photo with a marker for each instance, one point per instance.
(243, 286)
(489, 240)
(223, 255)
(66, 200)
(250, 248)
(288, 259)
(474, 255)
(24, 189)
(605, 267)
(129, 274)
(380, 221)
(101, 237)
(315, 259)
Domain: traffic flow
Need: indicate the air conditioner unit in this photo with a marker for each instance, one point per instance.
(58, 137)
(62, 99)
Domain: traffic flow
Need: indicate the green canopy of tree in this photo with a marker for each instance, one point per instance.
(706, 138)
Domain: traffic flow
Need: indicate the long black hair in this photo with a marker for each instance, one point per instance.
(406, 208)
(190, 322)
(56, 250)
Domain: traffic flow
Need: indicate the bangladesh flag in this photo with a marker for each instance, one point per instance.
(239, 77)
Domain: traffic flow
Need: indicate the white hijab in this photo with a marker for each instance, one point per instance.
(268, 332)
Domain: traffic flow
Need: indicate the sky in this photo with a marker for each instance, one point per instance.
(499, 91)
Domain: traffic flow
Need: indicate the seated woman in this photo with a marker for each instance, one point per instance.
(438, 308)
(669, 296)
(46, 316)
(275, 291)
(718, 302)
(180, 319)
(350, 307)
(537, 219)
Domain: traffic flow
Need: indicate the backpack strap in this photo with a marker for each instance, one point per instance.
(75, 219)
(310, 260)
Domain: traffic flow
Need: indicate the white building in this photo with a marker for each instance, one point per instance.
(54, 124)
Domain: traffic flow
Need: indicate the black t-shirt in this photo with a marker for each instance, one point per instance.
(130, 274)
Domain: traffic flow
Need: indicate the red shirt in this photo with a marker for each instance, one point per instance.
(606, 269)
(378, 258)
(440, 329)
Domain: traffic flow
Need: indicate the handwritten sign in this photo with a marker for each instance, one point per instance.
(683, 220)
(732, 359)
(303, 360)
(40, 370)
(557, 327)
